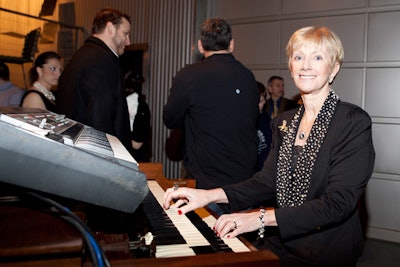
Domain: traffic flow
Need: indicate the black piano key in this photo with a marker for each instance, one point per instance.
(217, 243)
(73, 131)
(203, 250)
(162, 228)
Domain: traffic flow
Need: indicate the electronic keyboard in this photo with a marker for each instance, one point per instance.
(48, 152)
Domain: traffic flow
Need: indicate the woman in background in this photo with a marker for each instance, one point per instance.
(43, 78)
(264, 132)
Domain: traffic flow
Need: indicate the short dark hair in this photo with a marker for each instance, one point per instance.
(4, 72)
(108, 15)
(215, 34)
(272, 78)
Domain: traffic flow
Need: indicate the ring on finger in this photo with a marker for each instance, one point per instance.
(234, 225)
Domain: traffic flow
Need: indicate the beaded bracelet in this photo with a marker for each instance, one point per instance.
(261, 230)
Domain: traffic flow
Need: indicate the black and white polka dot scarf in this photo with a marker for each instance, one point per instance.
(292, 187)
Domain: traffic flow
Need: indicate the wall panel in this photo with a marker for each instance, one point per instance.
(383, 2)
(305, 6)
(381, 86)
(228, 9)
(349, 85)
(386, 142)
(251, 41)
(384, 26)
(381, 205)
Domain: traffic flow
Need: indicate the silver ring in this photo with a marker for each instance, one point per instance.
(234, 225)
(176, 186)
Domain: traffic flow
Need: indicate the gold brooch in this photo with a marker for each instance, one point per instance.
(283, 127)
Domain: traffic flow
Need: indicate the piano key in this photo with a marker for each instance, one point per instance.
(234, 243)
(170, 251)
(163, 229)
(196, 231)
(216, 242)
(119, 150)
(190, 233)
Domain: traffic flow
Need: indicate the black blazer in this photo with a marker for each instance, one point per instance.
(90, 90)
(326, 229)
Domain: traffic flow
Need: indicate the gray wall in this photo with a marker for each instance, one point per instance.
(369, 76)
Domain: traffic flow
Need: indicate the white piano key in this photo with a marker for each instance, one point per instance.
(169, 251)
(234, 243)
(189, 232)
(119, 150)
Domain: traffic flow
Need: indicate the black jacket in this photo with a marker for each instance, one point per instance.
(216, 100)
(326, 229)
(91, 91)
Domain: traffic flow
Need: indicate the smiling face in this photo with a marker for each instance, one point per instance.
(311, 68)
(315, 54)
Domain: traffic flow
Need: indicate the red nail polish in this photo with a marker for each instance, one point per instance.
(228, 236)
(179, 212)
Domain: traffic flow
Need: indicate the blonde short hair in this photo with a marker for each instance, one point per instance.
(319, 36)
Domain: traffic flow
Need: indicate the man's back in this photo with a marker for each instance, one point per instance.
(218, 99)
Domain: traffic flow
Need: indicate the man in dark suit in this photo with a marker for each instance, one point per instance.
(91, 88)
(277, 103)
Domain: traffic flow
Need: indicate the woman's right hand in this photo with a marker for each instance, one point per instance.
(188, 199)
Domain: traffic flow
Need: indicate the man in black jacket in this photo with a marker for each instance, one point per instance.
(91, 88)
(216, 100)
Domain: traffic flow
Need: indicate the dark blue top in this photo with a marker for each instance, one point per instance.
(264, 134)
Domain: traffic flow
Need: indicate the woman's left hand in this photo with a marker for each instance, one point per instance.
(234, 224)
